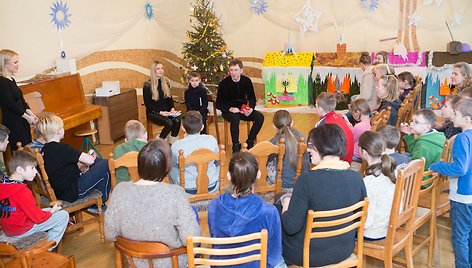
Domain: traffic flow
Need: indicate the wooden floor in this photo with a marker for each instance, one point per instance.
(89, 252)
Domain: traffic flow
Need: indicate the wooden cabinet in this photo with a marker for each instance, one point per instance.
(116, 111)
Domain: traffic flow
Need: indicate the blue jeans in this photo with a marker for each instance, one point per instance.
(461, 221)
(55, 226)
(97, 177)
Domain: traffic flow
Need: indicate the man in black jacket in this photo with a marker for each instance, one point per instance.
(236, 100)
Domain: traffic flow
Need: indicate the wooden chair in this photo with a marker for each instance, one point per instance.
(35, 256)
(301, 149)
(260, 256)
(201, 158)
(355, 217)
(402, 217)
(80, 205)
(380, 119)
(262, 151)
(213, 118)
(404, 116)
(226, 131)
(129, 161)
(145, 250)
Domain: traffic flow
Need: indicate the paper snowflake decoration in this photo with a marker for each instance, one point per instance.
(307, 18)
(369, 5)
(456, 19)
(149, 11)
(429, 2)
(60, 15)
(259, 6)
(413, 19)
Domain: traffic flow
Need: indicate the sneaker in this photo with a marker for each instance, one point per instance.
(236, 148)
(94, 210)
(71, 220)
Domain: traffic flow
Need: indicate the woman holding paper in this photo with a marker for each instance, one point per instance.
(159, 103)
(16, 114)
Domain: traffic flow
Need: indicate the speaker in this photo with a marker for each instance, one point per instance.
(454, 47)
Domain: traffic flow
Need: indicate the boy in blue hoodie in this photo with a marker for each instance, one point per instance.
(243, 212)
(461, 187)
(196, 98)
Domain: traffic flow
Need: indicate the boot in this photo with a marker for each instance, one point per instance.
(236, 147)
(172, 139)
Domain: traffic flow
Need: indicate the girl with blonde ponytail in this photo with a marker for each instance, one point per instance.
(159, 103)
(283, 124)
(379, 182)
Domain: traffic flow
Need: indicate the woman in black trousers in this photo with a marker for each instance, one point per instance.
(16, 114)
(159, 104)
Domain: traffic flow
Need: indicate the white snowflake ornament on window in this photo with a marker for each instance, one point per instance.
(259, 6)
(456, 19)
(413, 19)
(307, 18)
(429, 2)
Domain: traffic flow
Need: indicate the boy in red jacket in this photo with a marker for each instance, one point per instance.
(19, 214)
(325, 108)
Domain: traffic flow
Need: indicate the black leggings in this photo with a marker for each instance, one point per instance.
(170, 124)
(234, 118)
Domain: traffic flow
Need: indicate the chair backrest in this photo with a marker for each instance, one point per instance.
(129, 160)
(201, 159)
(380, 119)
(301, 149)
(405, 200)
(345, 220)
(262, 150)
(404, 112)
(446, 156)
(145, 250)
(205, 247)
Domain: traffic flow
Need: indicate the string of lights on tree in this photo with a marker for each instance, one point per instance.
(206, 52)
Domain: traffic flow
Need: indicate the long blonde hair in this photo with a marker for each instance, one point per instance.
(391, 83)
(466, 71)
(5, 56)
(165, 86)
(282, 121)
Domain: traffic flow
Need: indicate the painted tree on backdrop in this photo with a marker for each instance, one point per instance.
(206, 52)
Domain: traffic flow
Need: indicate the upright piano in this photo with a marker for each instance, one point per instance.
(64, 96)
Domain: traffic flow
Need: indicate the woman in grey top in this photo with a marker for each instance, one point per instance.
(150, 210)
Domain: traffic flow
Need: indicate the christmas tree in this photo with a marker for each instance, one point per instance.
(206, 52)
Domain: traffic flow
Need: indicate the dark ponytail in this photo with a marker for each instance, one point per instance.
(374, 144)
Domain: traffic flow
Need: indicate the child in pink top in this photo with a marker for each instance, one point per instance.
(360, 111)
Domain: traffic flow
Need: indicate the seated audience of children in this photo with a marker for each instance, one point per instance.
(72, 173)
(192, 125)
(242, 212)
(380, 184)
(329, 185)
(149, 210)
(325, 108)
(283, 123)
(428, 143)
(135, 139)
(406, 83)
(21, 216)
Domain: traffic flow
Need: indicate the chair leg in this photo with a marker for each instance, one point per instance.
(149, 130)
(93, 147)
(79, 220)
(225, 130)
(215, 119)
(101, 220)
(118, 260)
(409, 253)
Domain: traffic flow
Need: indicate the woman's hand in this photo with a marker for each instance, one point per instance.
(31, 119)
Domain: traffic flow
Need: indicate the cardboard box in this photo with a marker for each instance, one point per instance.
(34, 101)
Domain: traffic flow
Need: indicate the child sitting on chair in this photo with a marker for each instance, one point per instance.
(392, 137)
(447, 113)
(360, 112)
(135, 139)
(192, 125)
(20, 216)
(406, 83)
(242, 212)
(39, 140)
(283, 123)
(196, 98)
(63, 165)
(429, 143)
(379, 183)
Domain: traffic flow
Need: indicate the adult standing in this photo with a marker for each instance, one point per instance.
(236, 100)
(159, 103)
(16, 114)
